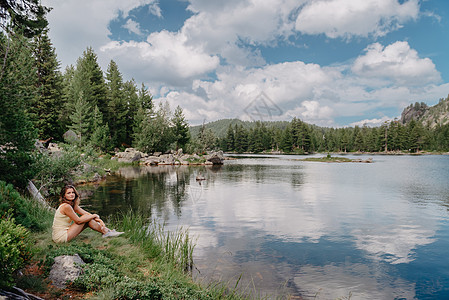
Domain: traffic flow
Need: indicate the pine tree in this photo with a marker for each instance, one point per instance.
(27, 16)
(180, 128)
(207, 139)
(47, 105)
(101, 136)
(286, 140)
(383, 137)
(153, 134)
(82, 118)
(257, 137)
(17, 90)
(145, 98)
(86, 88)
(117, 106)
(359, 141)
(66, 100)
(140, 122)
(416, 134)
(304, 137)
(230, 139)
(241, 139)
(88, 78)
(344, 140)
(132, 101)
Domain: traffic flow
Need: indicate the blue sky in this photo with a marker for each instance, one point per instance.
(328, 62)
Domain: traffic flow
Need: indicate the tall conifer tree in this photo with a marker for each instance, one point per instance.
(117, 106)
(145, 98)
(132, 103)
(88, 78)
(67, 95)
(17, 90)
(181, 131)
(47, 103)
(82, 118)
(88, 89)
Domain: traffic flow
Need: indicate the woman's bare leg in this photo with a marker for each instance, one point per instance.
(98, 227)
(75, 229)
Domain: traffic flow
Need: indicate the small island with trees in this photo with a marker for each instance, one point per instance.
(336, 159)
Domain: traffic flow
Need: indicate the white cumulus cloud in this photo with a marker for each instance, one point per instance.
(164, 57)
(133, 27)
(155, 9)
(77, 24)
(347, 18)
(396, 62)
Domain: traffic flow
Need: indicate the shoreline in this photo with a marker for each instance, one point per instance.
(392, 153)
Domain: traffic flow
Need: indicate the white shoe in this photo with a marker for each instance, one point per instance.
(112, 233)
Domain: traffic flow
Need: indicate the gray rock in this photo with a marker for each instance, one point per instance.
(65, 269)
(166, 159)
(216, 158)
(53, 148)
(130, 155)
(151, 160)
(70, 137)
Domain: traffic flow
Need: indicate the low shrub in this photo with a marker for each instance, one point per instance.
(14, 249)
(54, 170)
(12, 204)
(129, 288)
(87, 253)
(97, 276)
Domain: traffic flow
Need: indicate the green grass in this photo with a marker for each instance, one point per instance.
(147, 262)
(173, 247)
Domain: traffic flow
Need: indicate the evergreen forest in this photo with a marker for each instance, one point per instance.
(300, 138)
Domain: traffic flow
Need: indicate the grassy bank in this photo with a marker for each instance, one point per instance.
(147, 262)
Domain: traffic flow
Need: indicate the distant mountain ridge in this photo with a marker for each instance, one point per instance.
(431, 116)
(220, 127)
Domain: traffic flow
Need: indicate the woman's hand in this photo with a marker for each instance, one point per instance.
(100, 221)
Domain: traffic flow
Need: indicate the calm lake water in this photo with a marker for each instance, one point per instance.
(307, 229)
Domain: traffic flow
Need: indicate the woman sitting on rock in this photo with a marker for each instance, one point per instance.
(70, 219)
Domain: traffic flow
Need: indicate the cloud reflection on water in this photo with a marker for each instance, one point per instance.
(318, 209)
(304, 227)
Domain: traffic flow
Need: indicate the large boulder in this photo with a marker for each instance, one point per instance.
(167, 159)
(130, 155)
(151, 160)
(216, 158)
(65, 269)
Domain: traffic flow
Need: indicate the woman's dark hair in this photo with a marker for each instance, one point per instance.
(62, 198)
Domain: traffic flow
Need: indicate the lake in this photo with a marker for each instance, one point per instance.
(281, 226)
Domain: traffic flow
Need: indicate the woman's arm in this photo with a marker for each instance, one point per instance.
(82, 212)
(70, 212)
